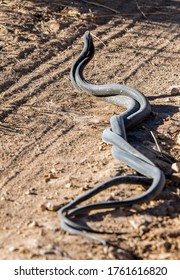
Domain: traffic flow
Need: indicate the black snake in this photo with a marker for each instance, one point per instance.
(138, 108)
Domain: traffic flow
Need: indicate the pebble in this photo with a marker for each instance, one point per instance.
(164, 256)
(170, 99)
(85, 187)
(68, 185)
(175, 89)
(102, 146)
(50, 247)
(52, 175)
(176, 166)
(143, 229)
(53, 206)
(134, 224)
(33, 224)
(31, 192)
(141, 223)
(117, 253)
(53, 25)
(178, 139)
(42, 207)
(13, 249)
(136, 207)
(43, 232)
(3, 29)
(110, 198)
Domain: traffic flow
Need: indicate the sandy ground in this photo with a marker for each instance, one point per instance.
(50, 134)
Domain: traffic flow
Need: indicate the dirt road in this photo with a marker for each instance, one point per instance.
(50, 134)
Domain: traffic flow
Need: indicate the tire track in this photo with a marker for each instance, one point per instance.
(158, 48)
(29, 154)
(37, 65)
(121, 28)
(158, 42)
(50, 59)
(35, 83)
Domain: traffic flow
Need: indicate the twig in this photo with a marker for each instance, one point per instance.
(98, 39)
(101, 5)
(152, 134)
(157, 145)
(139, 8)
(162, 154)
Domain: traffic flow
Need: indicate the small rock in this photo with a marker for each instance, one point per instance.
(50, 247)
(110, 198)
(24, 250)
(102, 146)
(53, 26)
(176, 166)
(33, 224)
(141, 222)
(53, 171)
(178, 139)
(52, 175)
(3, 29)
(163, 256)
(42, 207)
(68, 185)
(117, 253)
(13, 249)
(175, 89)
(143, 229)
(43, 232)
(170, 99)
(73, 12)
(136, 207)
(152, 204)
(85, 187)
(134, 224)
(31, 192)
(53, 206)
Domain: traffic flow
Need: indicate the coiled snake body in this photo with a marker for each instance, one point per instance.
(138, 108)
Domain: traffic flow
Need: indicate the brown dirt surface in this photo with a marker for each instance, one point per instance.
(51, 148)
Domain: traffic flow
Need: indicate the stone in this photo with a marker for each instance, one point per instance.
(53, 206)
(176, 166)
(175, 89)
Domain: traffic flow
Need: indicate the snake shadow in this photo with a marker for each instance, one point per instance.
(169, 207)
(161, 113)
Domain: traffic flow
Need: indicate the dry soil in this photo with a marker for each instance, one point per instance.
(50, 134)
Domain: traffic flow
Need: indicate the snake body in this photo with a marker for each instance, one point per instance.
(138, 108)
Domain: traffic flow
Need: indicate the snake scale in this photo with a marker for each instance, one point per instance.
(137, 109)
